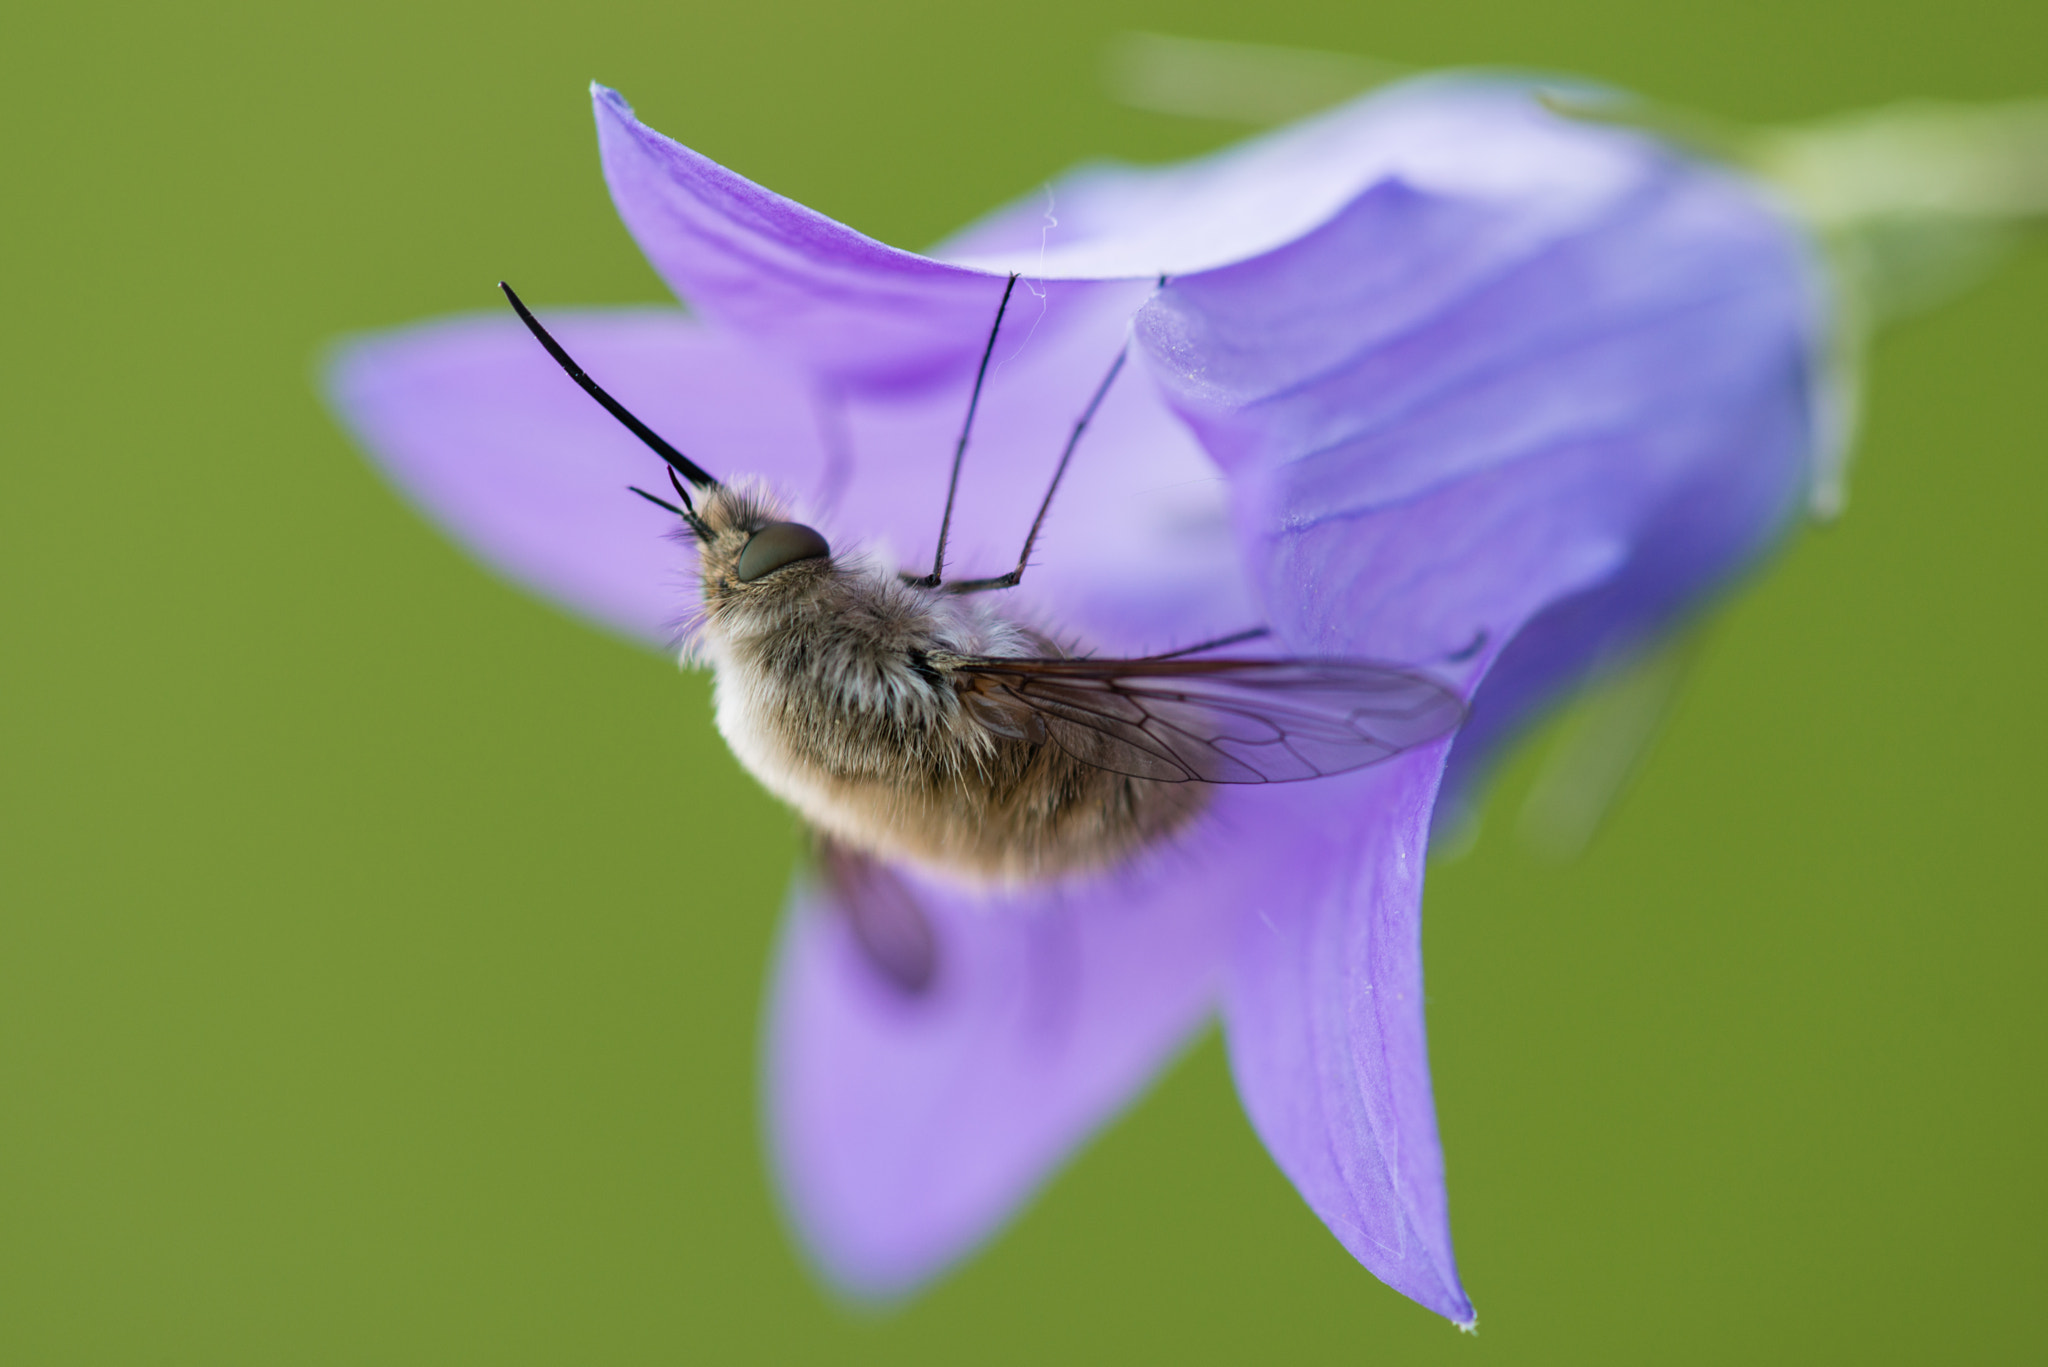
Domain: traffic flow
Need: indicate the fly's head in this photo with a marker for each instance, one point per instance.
(756, 566)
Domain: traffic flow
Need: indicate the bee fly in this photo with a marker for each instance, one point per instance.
(908, 719)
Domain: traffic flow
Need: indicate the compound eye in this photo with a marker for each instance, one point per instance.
(779, 544)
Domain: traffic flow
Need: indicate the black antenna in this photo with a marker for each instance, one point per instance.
(960, 450)
(678, 462)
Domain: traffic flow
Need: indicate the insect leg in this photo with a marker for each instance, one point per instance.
(931, 581)
(893, 932)
(1016, 576)
(1218, 643)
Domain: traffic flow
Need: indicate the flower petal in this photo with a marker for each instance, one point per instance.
(481, 429)
(1323, 1014)
(812, 289)
(906, 1128)
(1446, 416)
(875, 316)
(1458, 138)
(1722, 517)
(1427, 453)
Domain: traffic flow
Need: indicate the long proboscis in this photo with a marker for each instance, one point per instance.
(677, 461)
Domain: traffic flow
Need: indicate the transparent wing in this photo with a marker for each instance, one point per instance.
(1218, 721)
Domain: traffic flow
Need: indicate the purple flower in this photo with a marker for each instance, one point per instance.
(1440, 377)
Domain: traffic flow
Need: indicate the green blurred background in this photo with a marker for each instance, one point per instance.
(381, 952)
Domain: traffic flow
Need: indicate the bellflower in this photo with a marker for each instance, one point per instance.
(1440, 377)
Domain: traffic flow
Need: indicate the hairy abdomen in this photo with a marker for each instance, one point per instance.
(938, 788)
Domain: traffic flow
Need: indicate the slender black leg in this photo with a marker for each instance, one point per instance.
(1016, 576)
(1221, 641)
(932, 580)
